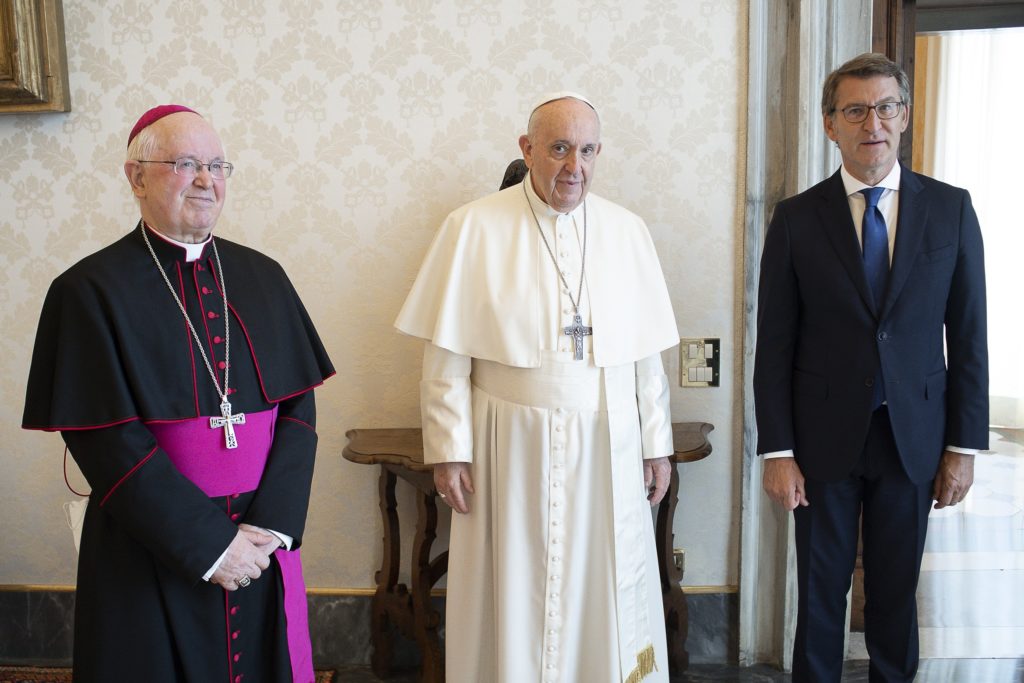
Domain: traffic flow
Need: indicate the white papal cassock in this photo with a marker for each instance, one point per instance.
(552, 576)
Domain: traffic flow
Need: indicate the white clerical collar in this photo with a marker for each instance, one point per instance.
(539, 205)
(192, 251)
(889, 182)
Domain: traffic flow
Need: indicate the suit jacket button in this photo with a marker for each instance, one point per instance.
(869, 382)
(882, 336)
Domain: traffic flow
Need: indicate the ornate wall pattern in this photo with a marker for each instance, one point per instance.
(355, 128)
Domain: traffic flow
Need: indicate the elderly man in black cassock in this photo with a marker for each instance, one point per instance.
(180, 370)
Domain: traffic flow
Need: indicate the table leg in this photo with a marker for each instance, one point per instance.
(381, 632)
(424, 575)
(676, 616)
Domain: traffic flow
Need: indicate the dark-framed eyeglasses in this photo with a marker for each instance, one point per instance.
(189, 167)
(856, 113)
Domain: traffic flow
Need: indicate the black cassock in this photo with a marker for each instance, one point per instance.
(113, 355)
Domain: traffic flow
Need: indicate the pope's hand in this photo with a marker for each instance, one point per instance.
(657, 471)
(453, 481)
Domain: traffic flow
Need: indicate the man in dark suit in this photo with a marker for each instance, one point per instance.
(862, 417)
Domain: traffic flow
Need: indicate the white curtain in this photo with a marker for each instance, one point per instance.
(969, 133)
(974, 138)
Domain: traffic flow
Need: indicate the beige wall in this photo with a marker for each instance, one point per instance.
(355, 127)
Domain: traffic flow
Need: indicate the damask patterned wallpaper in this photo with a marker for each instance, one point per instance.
(355, 128)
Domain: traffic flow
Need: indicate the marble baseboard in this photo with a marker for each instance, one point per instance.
(36, 628)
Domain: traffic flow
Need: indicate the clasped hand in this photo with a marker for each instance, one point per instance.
(248, 555)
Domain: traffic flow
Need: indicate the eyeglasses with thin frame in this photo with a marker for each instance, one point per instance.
(857, 113)
(189, 167)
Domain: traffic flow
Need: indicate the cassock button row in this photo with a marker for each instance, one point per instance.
(234, 496)
(234, 636)
(238, 678)
(207, 290)
(211, 315)
(238, 655)
(217, 340)
(235, 516)
(234, 610)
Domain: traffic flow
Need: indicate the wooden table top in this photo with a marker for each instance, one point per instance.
(404, 446)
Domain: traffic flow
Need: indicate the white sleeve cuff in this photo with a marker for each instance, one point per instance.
(778, 454)
(213, 569)
(964, 451)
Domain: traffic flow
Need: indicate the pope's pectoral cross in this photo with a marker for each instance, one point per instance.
(578, 331)
(227, 422)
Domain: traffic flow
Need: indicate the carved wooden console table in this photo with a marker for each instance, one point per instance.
(399, 452)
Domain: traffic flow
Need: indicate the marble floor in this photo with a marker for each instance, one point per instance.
(931, 671)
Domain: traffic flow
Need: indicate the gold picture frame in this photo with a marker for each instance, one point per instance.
(33, 57)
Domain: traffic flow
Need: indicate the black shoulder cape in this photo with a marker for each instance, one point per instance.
(94, 364)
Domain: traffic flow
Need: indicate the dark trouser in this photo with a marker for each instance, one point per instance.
(894, 515)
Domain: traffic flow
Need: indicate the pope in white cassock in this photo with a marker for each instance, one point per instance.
(546, 412)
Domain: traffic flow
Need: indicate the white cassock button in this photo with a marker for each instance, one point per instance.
(557, 484)
(552, 613)
(558, 428)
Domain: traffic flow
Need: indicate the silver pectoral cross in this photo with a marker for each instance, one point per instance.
(227, 422)
(578, 331)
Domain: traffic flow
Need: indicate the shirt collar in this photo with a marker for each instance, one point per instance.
(193, 252)
(889, 182)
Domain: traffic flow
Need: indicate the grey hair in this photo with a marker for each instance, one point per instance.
(867, 65)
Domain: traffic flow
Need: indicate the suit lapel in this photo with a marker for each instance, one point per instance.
(910, 226)
(835, 216)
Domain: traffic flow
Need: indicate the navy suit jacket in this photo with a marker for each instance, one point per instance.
(820, 340)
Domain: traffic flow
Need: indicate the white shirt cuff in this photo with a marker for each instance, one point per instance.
(778, 454)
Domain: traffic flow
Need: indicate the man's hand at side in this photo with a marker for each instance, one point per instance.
(784, 482)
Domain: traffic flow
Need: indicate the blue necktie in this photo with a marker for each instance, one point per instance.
(876, 245)
(876, 265)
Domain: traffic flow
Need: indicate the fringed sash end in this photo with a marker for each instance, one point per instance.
(645, 665)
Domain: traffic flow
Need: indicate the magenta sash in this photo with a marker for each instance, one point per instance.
(199, 453)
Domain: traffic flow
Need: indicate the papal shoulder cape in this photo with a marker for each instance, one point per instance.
(478, 292)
